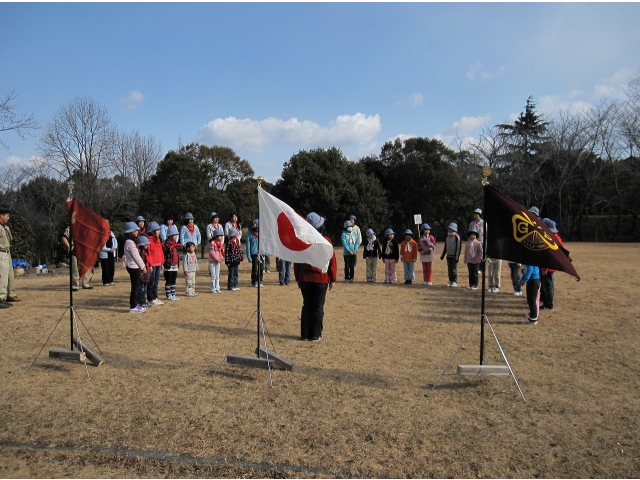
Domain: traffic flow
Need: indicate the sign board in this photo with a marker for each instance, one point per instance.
(417, 219)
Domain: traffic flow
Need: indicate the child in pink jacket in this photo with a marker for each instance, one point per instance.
(473, 257)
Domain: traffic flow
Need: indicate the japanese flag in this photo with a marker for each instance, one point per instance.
(289, 236)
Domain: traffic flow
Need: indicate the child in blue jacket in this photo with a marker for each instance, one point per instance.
(531, 278)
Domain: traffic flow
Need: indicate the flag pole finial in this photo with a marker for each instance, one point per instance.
(260, 180)
(486, 172)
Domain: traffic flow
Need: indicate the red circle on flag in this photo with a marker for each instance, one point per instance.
(287, 234)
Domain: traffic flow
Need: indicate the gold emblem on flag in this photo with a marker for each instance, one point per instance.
(73, 218)
(530, 234)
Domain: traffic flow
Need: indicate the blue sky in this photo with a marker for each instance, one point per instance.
(271, 79)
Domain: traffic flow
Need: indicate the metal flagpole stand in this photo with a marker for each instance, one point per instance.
(83, 351)
(482, 369)
(264, 358)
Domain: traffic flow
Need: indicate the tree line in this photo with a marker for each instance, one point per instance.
(581, 169)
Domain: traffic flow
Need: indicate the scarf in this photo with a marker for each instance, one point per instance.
(387, 250)
(370, 243)
(191, 228)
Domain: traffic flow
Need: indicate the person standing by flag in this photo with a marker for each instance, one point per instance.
(253, 254)
(531, 279)
(313, 284)
(7, 292)
(547, 275)
(108, 256)
(75, 274)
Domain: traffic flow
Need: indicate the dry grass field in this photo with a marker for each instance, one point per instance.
(360, 403)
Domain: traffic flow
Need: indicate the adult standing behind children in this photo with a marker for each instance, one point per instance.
(214, 224)
(7, 285)
(190, 232)
(477, 224)
(427, 249)
(371, 253)
(452, 246)
(313, 285)
(168, 221)
(108, 260)
(233, 223)
(349, 250)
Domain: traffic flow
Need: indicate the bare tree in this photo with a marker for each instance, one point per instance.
(78, 142)
(10, 121)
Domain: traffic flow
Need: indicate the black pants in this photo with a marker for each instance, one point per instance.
(452, 268)
(547, 291)
(533, 297)
(311, 318)
(473, 274)
(134, 275)
(108, 266)
(256, 270)
(349, 266)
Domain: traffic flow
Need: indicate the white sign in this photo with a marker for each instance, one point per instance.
(417, 219)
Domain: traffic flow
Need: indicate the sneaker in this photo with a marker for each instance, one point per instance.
(530, 321)
(449, 284)
(112, 284)
(235, 289)
(473, 287)
(146, 305)
(429, 283)
(13, 299)
(192, 294)
(172, 298)
(157, 301)
(316, 339)
(4, 304)
(518, 294)
(490, 289)
(454, 284)
(496, 290)
(137, 309)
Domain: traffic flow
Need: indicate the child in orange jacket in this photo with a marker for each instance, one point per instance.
(409, 255)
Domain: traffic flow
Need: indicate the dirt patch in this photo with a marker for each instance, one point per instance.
(358, 403)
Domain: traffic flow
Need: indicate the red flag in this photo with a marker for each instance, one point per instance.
(518, 235)
(89, 233)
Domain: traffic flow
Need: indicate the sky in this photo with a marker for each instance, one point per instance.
(271, 79)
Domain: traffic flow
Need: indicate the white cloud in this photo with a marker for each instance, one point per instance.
(254, 135)
(414, 100)
(467, 125)
(14, 160)
(133, 100)
(477, 70)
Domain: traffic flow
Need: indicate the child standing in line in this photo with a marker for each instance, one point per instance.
(349, 250)
(409, 254)
(233, 258)
(253, 254)
(390, 256)
(156, 260)
(427, 249)
(452, 246)
(171, 262)
(216, 256)
(190, 267)
(134, 264)
(516, 273)
(145, 278)
(371, 254)
(473, 257)
(531, 279)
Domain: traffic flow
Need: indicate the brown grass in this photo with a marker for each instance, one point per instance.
(359, 403)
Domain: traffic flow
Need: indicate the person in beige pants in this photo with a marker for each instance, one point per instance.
(7, 281)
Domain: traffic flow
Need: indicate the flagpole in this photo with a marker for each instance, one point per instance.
(70, 184)
(260, 180)
(486, 171)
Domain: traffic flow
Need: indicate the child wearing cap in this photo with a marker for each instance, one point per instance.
(232, 258)
(371, 253)
(531, 278)
(390, 254)
(145, 277)
(253, 254)
(473, 257)
(216, 256)
(452, 246)
(427, 249)
(547, 280)
(171, 262)
(349, 250)
(156, 260)
(409, 254)
(135, 265)
(190, 267)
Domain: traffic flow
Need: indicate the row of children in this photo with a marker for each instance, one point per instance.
(146, 255)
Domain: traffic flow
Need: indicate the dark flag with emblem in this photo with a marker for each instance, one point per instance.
(89, 232)
(516, 234)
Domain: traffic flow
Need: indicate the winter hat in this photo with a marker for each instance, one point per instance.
(212, 216)
(218, 233)
(140, 218)
(389, 231)
(347, 224)
(369, 232)
(130, 227)
(188, 216)
(478, 211)
(172, 230)
(316, 220)
(474, 231)
(453, 226)
(142, 240)
(535, 210)
(408, 232)
(153, 226)
(551, 224)
(354, 217)
(233, 232)
(425, 226)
